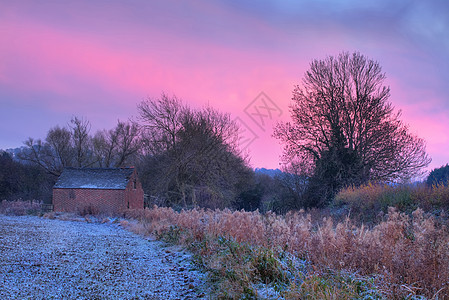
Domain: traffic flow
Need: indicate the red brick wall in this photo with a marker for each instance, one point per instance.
(99, 201)
(134, 196)
(83, 200)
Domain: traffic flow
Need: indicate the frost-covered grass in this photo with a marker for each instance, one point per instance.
(403, 256)
(44, 258)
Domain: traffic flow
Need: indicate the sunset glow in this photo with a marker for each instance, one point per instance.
(99, 59)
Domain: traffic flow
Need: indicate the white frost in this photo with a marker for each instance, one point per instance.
(54, 259)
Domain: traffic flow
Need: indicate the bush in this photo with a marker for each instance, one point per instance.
(89, 210)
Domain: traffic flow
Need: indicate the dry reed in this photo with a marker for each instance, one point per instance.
(407, 254)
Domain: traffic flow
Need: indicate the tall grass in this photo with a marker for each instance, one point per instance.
(406, 255)
(367, 201)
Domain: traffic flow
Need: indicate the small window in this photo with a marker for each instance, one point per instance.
(134, 184)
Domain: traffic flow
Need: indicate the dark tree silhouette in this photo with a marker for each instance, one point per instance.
(439, 176)
(191, 155)
(23, 181)
(346, 130)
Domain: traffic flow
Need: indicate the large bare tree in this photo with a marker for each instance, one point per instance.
(191, 155)
(345, 128)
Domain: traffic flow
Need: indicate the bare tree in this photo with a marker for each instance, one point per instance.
(192, 157)
(80, 140)
(161, 122)
(42, 155)
(129, 143)
(60, 141)
(63, 147)
(115, 147)
(72, 146)
(344, 124)
(104, 144)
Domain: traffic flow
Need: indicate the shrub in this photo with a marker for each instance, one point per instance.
(89, 210)
(20, 208)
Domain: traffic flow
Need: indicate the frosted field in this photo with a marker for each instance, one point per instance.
(53, 259)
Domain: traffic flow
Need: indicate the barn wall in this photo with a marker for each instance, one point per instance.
(89, 201)
(134, 196)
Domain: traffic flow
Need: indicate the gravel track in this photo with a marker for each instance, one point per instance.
(53, 259)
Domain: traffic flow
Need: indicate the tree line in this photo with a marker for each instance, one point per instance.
(185, 157)
(73, 146)
(343, 132)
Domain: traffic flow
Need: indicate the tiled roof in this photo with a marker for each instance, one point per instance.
(94, 178)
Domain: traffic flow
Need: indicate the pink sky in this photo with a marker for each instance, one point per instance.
(99, 59)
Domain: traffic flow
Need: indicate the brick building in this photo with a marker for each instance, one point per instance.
(97, 190)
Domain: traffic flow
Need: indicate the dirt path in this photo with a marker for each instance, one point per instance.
(54, 259)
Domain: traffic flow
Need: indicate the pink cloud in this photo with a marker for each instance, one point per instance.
(212, 54)
(49, 59)
(40, 59)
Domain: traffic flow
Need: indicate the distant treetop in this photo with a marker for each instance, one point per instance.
(439, 176)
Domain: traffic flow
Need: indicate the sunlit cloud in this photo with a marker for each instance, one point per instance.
(99, 59)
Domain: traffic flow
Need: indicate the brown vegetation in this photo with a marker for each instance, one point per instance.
(21, 208)
(407, 255)
(368, 203)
